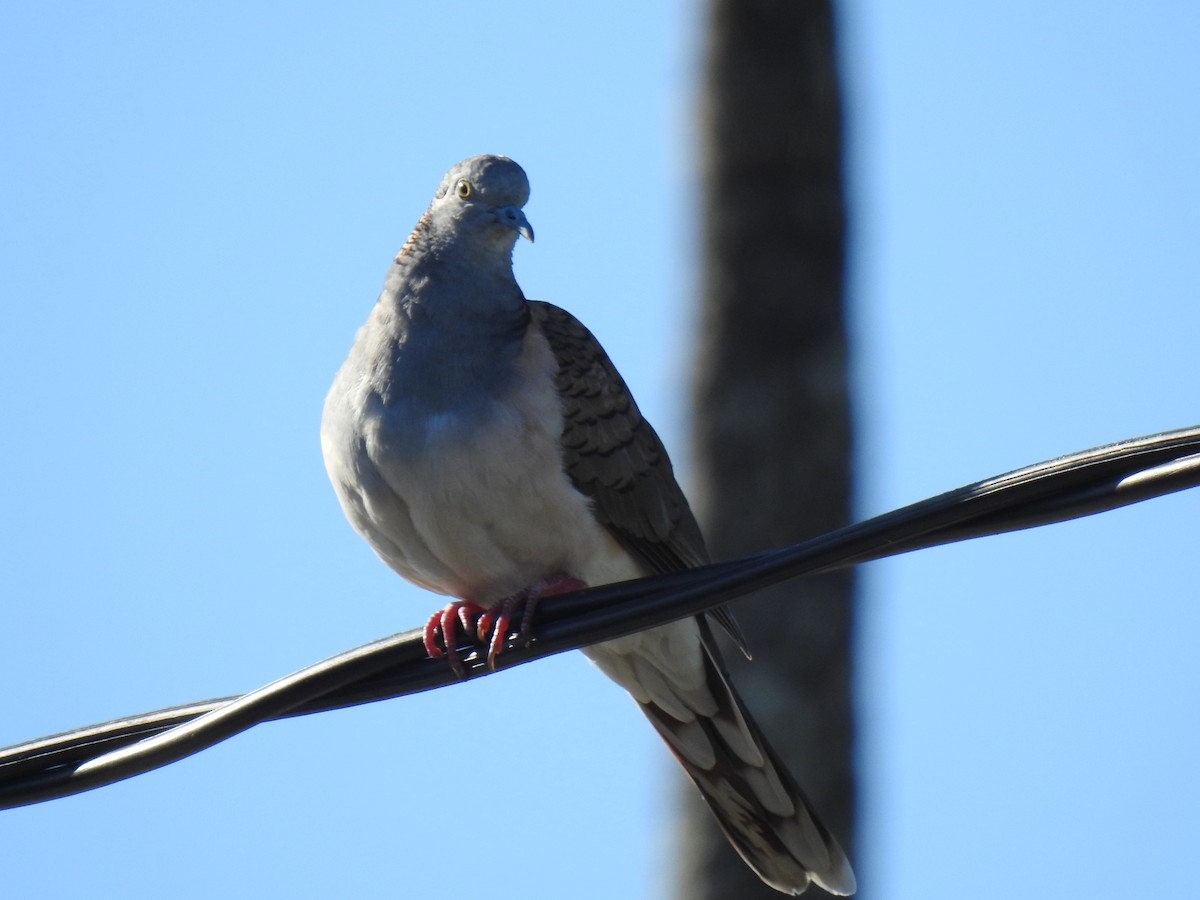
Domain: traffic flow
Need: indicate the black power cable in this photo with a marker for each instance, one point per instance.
(1071, 486)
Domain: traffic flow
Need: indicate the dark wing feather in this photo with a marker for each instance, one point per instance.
(613, 456)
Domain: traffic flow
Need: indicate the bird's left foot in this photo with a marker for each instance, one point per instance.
(495, 624)
(491, 625)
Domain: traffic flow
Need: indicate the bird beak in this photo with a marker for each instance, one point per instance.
(514, 218)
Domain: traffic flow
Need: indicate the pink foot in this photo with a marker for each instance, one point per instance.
(491, 626)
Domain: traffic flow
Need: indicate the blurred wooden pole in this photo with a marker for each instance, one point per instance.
(772, 412)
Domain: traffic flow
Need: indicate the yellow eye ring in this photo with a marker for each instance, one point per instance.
(464, 189)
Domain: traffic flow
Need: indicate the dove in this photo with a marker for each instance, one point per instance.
(486, 448)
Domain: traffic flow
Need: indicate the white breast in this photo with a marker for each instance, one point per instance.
(485, 509)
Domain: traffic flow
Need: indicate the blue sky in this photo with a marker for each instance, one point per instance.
(197, 205)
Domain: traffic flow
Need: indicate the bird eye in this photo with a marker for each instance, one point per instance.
(464, 189)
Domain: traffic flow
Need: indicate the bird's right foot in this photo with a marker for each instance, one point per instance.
(443, 629)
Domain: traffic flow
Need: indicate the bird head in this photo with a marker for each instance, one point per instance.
(480, 200)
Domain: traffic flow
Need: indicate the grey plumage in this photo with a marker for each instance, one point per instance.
(482, 443)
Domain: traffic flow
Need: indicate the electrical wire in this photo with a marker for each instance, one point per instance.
(1080, 484)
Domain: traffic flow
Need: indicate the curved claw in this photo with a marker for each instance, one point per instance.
(495, 624)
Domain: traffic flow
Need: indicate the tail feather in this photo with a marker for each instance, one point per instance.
(763, 812)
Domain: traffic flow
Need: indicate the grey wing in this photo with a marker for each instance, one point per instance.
(613, 456)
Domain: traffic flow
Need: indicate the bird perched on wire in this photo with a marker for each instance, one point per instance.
(487, 449)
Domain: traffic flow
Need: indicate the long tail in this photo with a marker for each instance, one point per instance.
(675, 675)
